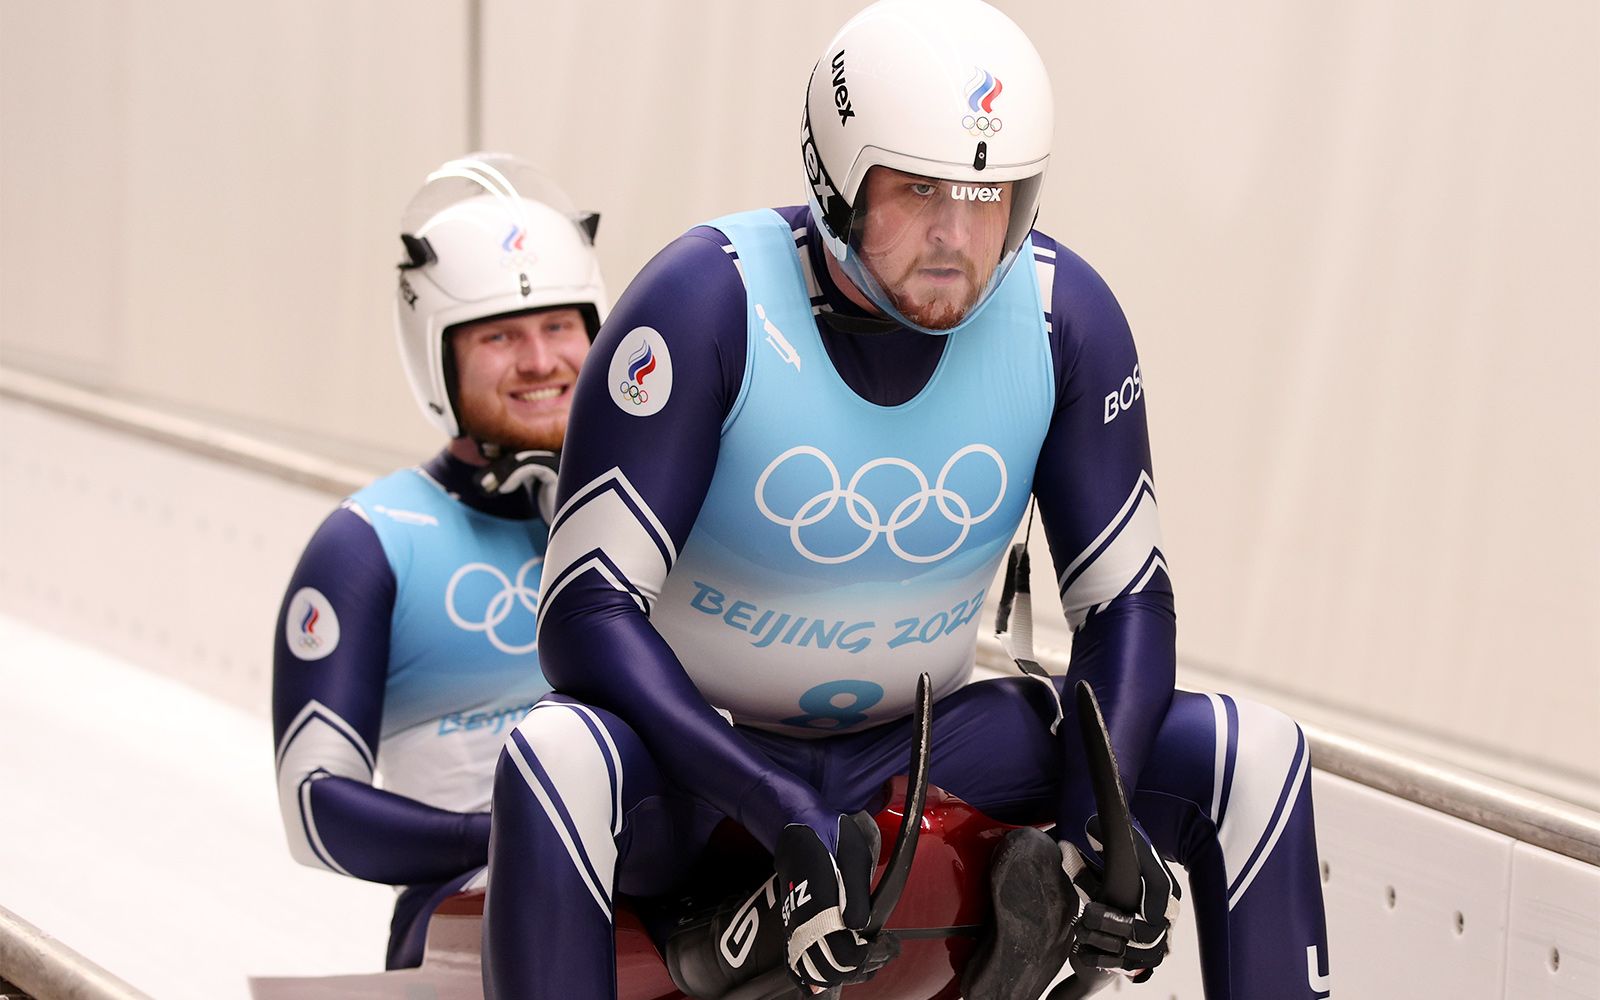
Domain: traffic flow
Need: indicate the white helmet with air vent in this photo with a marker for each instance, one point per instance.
(486, 236)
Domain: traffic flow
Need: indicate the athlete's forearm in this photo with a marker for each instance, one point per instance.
(614, 659)
(383, 837)
(1127, 654)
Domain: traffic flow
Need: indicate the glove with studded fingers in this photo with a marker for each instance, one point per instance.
(1110, 940)
(826, 901)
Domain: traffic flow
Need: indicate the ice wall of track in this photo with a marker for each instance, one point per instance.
(143, 809)
(151, 554)
(139, 829)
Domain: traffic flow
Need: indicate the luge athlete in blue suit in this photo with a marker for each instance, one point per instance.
(406, 642)
(805, 442)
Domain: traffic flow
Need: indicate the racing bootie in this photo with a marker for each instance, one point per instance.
(1027, 939)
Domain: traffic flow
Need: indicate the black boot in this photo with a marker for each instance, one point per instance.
(1026, 940)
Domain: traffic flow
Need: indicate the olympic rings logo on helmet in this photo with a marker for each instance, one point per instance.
(987, 125)
(633, 392)
(954, 508)
(500, 606)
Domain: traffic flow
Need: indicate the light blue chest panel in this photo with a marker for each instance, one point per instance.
(461, 640)
(844, 547)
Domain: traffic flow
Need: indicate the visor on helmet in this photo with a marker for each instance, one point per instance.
(930, 251)
(496, 174)
(500, 198)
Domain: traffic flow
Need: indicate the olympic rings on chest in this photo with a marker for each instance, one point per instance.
(500, 606)
(950, 504)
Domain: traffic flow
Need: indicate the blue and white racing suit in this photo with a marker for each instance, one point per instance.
(767, 527)
(405, 647)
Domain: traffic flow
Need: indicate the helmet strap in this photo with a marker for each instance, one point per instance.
(533, 470)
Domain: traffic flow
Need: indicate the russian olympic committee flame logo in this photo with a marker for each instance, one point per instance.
(501, 603)
(982, 89)
(640, 364)
(922, 510)
(641, 372)
(310, 627)
(517, 256)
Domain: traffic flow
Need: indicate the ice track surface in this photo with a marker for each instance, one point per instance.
(141, 829)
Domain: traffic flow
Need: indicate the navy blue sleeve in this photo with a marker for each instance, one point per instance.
(1097, 505)
(330, 667)
(633, 480)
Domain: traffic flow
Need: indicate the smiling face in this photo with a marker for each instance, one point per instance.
(515, 375)
(932, 244)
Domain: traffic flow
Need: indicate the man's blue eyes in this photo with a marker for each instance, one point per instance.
(555, 330)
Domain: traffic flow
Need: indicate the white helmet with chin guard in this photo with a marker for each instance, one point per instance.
(486, 236)
(922, 113)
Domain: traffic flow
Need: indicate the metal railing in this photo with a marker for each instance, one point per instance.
(46, 969)
(192, 436)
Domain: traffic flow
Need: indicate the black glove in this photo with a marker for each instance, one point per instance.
(825, 900)
(1107, 939)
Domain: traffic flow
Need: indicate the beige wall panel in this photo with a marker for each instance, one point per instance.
(1358, 245)
(232, 177)
(660, 115)
(62, 212)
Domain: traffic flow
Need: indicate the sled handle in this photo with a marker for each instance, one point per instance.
(1122, 879)
(1121, 887)
(898, 870)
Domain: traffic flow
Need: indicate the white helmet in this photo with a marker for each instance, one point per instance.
(486, 236)
(916, 86)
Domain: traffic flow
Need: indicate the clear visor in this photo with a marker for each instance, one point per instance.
(929, 252)
(505, 177)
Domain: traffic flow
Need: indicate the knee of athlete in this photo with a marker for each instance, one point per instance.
(563, 753)
(1271, 765)
(536, 738)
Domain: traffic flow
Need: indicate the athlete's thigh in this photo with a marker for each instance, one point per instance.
(992, 748)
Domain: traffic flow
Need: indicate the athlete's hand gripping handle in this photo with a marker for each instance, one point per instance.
(841, 939)
(825, 903)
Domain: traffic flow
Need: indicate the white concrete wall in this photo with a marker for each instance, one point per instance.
(1357, 243)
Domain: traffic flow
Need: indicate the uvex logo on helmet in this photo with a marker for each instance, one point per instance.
(982, 89)
(969, 192)
(841, 92)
